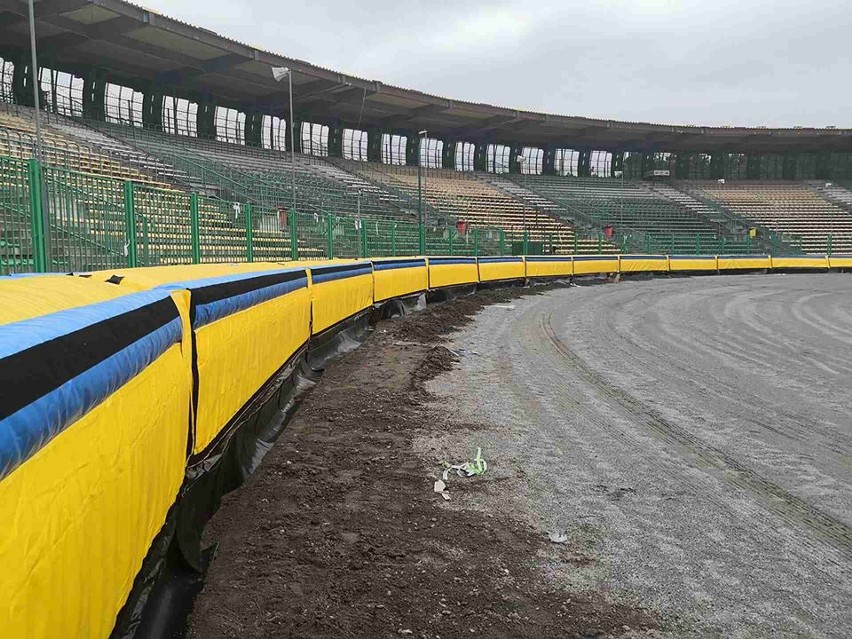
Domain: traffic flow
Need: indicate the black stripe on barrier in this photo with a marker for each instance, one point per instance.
(339, 268)
(224, 290)
(36, 371)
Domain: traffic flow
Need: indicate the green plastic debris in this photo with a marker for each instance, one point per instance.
(468, 469)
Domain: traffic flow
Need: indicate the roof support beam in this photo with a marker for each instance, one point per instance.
(413, 114)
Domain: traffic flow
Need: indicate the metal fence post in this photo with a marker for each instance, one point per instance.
(476, 242)
(293, 219)
(830, 243)
(329, 231)
(249, 232)
(195, 232)
(422, 237)
(130, 225)
(576, 242)
(600, 243)
(393, 238)
(450, 235)
(526, 244)
(364, 249)
(37, 217)
(502, 242)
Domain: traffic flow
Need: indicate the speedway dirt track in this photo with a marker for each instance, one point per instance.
(690, 437)
(694, 435)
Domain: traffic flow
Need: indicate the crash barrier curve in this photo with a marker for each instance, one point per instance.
(122, 390)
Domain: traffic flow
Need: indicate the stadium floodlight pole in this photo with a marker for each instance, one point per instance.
(39, 151)
(420, 180)
(279, 73)
(34, 75)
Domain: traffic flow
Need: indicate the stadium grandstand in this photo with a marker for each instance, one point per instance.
(286, 352)
(166, 143)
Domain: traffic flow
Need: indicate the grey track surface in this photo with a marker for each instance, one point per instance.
(693, 435)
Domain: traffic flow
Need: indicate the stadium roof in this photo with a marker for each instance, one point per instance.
(137, 45)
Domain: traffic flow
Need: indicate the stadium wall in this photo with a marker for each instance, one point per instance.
(123, 390)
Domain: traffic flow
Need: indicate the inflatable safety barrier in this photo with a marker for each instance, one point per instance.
(251, 320)
(595, 264)
(643, 263)
(339, 290)
(549, 266)
(399, 277)
(801, 261)
(123, 390)
(93, 436)
(494, 269)
(452, 271)
(692, 263)
(743, 262)
(840, 260)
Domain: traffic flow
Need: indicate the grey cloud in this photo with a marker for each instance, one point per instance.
(748, 62)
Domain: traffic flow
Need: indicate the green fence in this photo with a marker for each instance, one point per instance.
(56, 220)
(18, 228)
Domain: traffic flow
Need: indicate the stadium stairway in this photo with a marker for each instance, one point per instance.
(834, 193)
(732, 228)
(589, 237)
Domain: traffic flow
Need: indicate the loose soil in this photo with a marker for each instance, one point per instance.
(340, 534)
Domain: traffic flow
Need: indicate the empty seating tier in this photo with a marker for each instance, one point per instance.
(18, 140)
(793, 209)
(645, 219)
(264, 177)
(454, 195)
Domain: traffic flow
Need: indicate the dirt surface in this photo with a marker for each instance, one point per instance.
(692, 436)
(340, 533)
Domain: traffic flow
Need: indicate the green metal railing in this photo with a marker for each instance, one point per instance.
(59, 220)
(19, 230)
(56, 219)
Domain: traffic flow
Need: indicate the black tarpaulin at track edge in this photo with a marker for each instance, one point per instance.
(450, 293)
(400, 306)
(341, 338)
(173, 570)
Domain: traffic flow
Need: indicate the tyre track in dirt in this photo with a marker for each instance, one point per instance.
(792, 509)
(735, 401)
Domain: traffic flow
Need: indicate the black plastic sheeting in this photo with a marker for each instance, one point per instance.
(172, 573)
(450, 293)
(399, 307)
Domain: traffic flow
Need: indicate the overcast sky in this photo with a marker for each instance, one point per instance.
(736, 62)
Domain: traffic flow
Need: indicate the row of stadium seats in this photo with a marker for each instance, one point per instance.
(18, 140)
(790, 208)
(464, 196)
(265, 177)
(633, 209)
